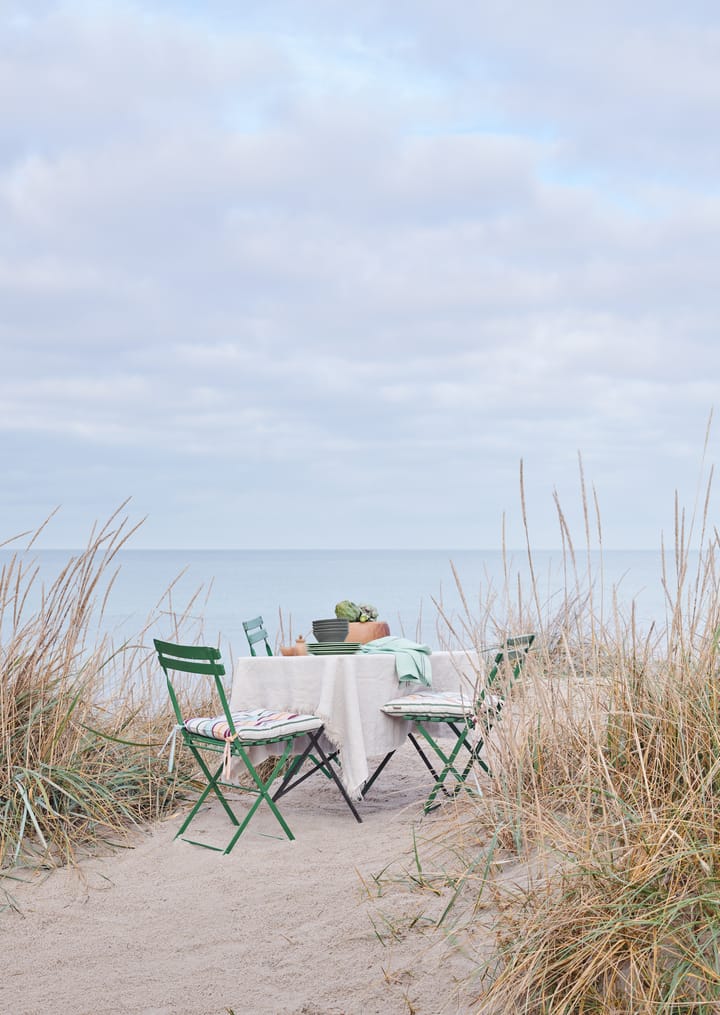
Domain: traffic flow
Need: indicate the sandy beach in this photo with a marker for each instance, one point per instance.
(318, 926)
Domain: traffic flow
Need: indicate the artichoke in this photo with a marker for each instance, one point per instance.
(347, 610)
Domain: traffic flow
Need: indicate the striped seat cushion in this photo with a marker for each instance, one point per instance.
(254, 724)
(452, 704)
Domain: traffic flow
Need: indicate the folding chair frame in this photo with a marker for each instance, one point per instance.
(255, 632)
(326, 765)
(514, 651)
(206, 661)
(261, 790)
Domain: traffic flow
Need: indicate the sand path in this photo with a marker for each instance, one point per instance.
(276, 927)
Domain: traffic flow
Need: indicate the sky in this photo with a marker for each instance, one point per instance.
(319, 274)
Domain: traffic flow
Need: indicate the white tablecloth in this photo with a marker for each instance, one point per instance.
(346, 692)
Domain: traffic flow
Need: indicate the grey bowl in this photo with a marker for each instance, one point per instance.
(332, 629)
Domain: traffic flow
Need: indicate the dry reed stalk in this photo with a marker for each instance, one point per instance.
(597, 842)
(79, 733)
(625, 795)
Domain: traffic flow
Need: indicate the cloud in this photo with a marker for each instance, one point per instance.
(374, 258)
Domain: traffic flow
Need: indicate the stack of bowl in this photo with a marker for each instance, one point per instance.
(332, 629)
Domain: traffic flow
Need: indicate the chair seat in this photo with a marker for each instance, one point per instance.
(254, 724)
(451, 704)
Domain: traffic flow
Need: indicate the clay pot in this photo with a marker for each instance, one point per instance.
(369, 631)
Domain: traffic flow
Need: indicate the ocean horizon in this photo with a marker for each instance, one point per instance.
(291, 588)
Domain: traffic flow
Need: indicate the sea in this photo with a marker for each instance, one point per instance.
(424, 595)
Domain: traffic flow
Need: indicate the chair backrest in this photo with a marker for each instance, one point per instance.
(255, 632)
(513, 653)
(201, 659)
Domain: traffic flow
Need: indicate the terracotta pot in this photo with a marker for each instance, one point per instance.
(368, 631)
(298, 649)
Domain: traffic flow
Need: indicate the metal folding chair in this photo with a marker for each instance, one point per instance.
(255, 632)
(233, 735)
(461, 716)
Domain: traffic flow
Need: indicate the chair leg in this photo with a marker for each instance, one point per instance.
(426, 761)
(449, 767)
(327, 765)
(262, 794)
(439, 778)
(376, 773)
(324, 765)
(317, 766)
(212, 786)
(261, 791)
(475, 755)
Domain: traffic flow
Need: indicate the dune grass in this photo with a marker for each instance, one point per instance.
(597, 841)
(80, 722)
(619, 797)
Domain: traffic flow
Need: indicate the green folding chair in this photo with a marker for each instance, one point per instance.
(255, 632)
(461, 717)
(233, 735)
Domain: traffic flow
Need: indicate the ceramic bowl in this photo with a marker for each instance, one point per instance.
(332, 629)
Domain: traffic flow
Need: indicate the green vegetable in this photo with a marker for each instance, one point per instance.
(347, 610)
(367, 612)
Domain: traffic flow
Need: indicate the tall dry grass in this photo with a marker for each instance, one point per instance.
(613, 791)
(596, 845)
(81, 721)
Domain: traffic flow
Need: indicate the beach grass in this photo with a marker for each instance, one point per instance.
(596, 843)
(81, 721)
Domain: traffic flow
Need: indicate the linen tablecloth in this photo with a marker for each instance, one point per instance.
(346, 692)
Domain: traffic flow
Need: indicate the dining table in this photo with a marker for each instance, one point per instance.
(346, 691)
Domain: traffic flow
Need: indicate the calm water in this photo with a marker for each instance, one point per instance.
(305, 584)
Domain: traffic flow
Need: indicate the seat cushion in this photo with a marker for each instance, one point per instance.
(452, 704)
(254, 724)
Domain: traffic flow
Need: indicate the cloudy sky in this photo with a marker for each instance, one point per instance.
(321, 274)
